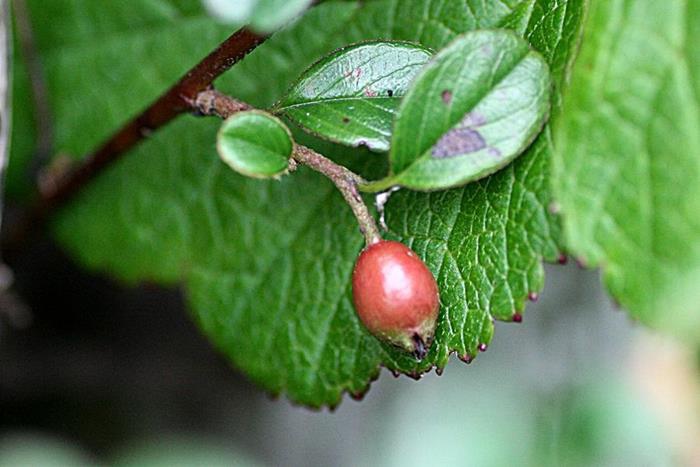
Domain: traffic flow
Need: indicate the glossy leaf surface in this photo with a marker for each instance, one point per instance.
(351, 96)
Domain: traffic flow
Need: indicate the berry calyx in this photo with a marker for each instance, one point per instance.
(396, 296)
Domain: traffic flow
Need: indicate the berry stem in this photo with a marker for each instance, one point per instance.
(347, 182)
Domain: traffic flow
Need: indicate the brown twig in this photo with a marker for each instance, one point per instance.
(179, 99)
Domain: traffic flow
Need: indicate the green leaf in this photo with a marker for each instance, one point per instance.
(471, 111)
(227, 238)
(351, 95)
(628, 155)
(255, 144)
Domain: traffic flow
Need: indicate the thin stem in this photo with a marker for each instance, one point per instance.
(347, 182)
(5, 92)
(39, 92)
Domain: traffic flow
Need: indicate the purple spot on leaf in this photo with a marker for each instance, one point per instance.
(458, 142)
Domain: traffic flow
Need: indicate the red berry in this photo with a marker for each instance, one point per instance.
(396, 296)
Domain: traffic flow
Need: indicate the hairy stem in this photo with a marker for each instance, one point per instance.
(347, 182)
(212, 102)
